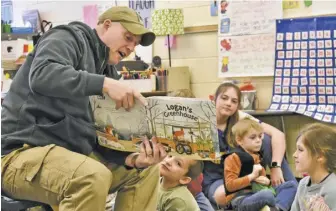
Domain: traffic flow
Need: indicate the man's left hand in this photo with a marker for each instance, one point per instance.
(276, 176)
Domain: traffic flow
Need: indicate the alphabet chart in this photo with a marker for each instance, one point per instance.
(305, 67)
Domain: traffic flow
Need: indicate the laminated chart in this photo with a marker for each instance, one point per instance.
(246, 34)
(305, 67)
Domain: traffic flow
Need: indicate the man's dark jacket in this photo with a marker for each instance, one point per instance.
(48, 101)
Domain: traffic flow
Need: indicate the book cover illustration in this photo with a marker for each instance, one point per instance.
(184, 126)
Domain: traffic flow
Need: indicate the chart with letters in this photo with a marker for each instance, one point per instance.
(305, 67)
(246, 34)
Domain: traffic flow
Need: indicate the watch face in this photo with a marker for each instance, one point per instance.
(274, 164)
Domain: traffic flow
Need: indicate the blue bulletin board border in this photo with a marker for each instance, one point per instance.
(305, 67)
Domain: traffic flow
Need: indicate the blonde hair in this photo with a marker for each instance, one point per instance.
(242, 127)
(320, 139)
(235, 117)
(187, 93)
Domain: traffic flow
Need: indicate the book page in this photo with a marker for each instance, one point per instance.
(118, 129)
(184, 126)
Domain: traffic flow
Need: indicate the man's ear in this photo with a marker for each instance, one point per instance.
(107, 23)
(185, 180)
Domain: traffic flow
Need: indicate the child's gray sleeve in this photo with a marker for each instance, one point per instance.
(299, 194)
(295, 205)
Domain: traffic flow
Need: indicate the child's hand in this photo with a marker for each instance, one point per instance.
(255, 173)
(262, 180)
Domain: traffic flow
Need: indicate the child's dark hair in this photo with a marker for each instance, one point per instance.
(320, 139)
(195, 169)
(235, 117)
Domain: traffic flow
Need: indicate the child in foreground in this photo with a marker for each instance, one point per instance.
(177, 173)
(246, 185)
(195, 186)
(316, 155)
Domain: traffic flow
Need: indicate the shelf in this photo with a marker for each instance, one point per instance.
(200, 29)
(260, 113)
(10, 36)
(9, 65)
(156, 93)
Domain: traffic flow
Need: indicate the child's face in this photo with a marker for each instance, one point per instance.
(227, 102)
(175, 169)
(303, 159)
(252, 141)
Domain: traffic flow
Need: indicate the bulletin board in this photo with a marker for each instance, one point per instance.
(305, 67)
(246, 36)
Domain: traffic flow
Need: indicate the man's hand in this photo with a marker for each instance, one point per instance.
(151, 153)
(262, 180)
(121, 93)
(276, 176)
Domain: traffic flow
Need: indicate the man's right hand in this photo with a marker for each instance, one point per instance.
(122, 94)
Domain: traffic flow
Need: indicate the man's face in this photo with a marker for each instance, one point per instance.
(175, 168)
(119, 40)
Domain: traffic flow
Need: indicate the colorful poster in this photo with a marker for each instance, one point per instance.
(250, 55)
(248, 17)
(305, 67)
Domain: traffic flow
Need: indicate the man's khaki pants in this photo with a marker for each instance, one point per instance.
(72, 181)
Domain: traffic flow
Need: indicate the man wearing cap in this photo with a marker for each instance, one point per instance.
(48, 140)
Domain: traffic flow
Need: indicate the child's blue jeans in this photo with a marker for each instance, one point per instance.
(284, 198)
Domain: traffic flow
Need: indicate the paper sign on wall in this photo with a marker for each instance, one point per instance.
(144, 8)
(248, 17)
(250, 55)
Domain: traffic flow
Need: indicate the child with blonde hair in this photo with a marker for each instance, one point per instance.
(316, 155)
(246, 185)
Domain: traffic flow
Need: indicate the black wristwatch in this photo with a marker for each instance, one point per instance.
(275, 165)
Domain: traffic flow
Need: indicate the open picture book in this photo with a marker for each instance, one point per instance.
(184, 126)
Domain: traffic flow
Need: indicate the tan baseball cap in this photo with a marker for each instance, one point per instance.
(132, 22)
